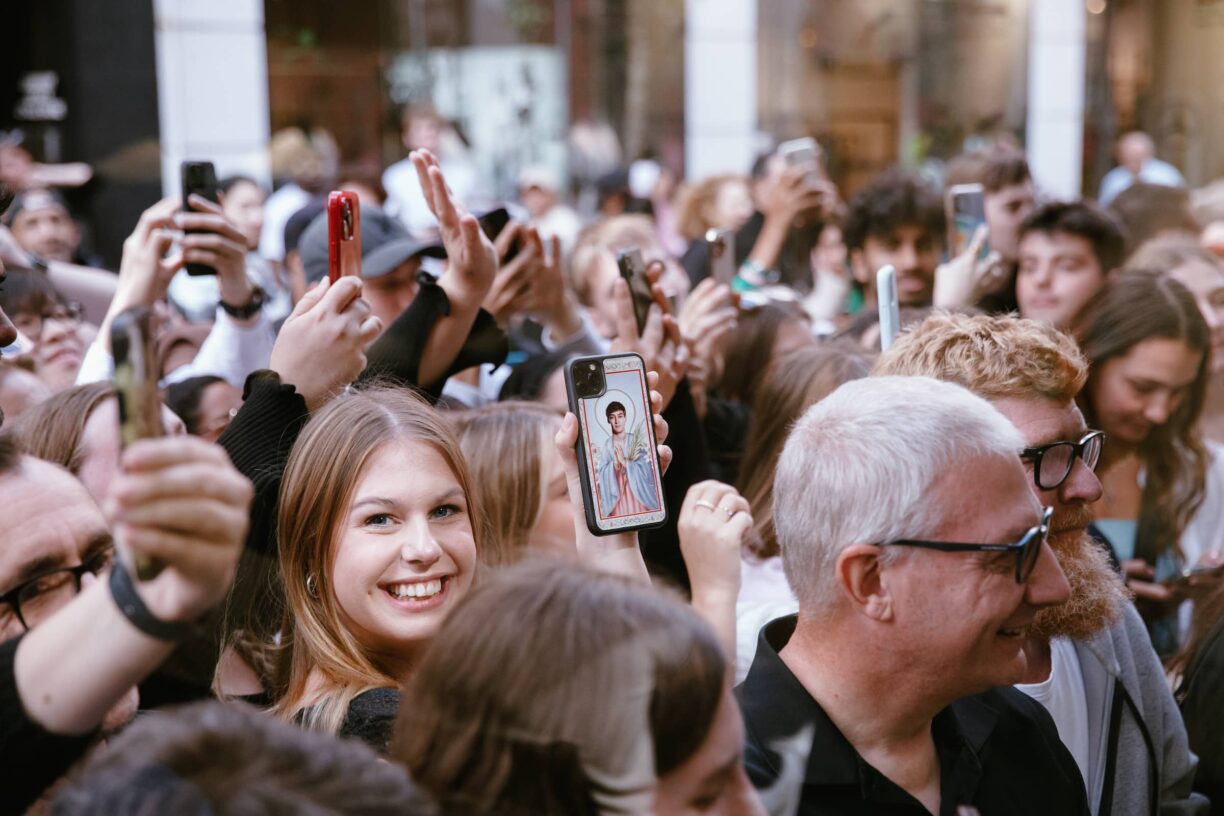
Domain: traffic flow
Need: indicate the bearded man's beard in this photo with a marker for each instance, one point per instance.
(1098, 594)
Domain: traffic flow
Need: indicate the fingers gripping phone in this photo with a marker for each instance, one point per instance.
(890, 307)
(618, 462)
(136, 388)
(966, 210)
(343, 235)
(806, 153)
(199, 177)
(721, 244)
(633, 270)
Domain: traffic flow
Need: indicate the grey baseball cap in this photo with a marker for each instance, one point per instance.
(385, 244)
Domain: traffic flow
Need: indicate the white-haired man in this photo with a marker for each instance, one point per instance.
(919, 557)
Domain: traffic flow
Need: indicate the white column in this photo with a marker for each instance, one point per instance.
(212, 86)
(720, 80)
(1056, 80)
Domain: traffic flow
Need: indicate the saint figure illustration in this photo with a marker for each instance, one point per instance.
(623, 468)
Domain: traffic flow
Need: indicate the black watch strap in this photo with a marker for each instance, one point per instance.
(134, 609)
(250, 309)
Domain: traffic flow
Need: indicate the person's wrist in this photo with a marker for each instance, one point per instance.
(236, 290)
(150, 608)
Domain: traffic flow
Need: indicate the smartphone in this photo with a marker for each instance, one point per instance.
(633, 270)
(136, 388)
(343, 235)
(721, 244)
(618, 462)
(966, 209)
(890, 307)
(1191, 574)
(491, 224)
(805, 152)
(199, 177)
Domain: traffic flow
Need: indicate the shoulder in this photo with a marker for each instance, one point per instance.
(371, 717)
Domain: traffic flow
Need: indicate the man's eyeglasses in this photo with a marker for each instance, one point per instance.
(1027, 549)
(37, 598)
(1052, 463)
(31, 325)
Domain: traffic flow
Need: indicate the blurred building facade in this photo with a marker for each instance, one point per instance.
(584, 85)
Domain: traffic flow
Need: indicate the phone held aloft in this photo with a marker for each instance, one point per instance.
(721, 244)
(343, 235)
(633, 270)
(890, 306)
(966, 212)
(200, 178)
(136, 389)
(804, 153)
(618, 462)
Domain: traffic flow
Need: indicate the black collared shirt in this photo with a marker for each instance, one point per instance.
(998, 751)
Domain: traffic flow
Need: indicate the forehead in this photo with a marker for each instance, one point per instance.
(404, 468)
(1055, 243)
(1042, 420)
(50, 211)
(985, 500)
(44, 512)
(1161, 360)
(902, 234)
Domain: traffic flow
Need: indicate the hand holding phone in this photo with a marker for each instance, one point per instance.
(804, 153)
(343, 235)
(721, 244)
(618, 465)
(136, 388)
(966, 212)
(200, 178)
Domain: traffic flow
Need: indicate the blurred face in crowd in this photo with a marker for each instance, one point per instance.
(59, 343)
(732, 205)
(713, 780)
(554, 528)
(829, 254)
(1206, 282)
(48, 232)
(1140, 390)
(1058, 276)
(604, 275)
(50, 523)
(1006, 210)
(537, 200)
(1135, 150)
(218, 403)
(964, 612)
(390, 294)
(423, 132)
(244, 206)
(20, 390)
(913, 251)
(405, 554)
(100, 446)
(1097, 594)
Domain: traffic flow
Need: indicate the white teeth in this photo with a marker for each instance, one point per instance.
(426, 589)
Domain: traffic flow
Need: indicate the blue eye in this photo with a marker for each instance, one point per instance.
(446, 511)
(378, 520)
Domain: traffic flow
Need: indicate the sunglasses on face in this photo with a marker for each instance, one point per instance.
(1053, 463)
(1027, 549)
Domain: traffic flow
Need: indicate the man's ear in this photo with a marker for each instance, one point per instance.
(860, 576)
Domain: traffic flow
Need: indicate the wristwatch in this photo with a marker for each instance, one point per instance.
(250, 309)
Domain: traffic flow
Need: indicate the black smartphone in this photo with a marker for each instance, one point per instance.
(633, 270)
(199, 177)
(135, 381)
(491, 224)
(618, 462)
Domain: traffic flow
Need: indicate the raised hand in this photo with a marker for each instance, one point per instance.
(472, 258)
(212, 239)
(965, 279)
(321, 348)
(660, 344)
(514, 285)
(180, 501)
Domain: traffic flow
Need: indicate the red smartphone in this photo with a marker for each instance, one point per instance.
(343, 235)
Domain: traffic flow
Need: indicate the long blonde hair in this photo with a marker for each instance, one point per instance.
(506, 447)
(323, 470)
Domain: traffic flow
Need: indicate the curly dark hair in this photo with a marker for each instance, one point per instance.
(893, 199)
(1083, 220)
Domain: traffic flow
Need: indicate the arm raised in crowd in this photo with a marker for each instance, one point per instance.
(713, 522)
(612, 553)
(179, 500)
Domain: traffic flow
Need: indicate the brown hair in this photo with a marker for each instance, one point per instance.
(609, 235)
(505, 445)
(693, 211)
(52, 430)
(533, 684)
(993, 356)
(1139, 306)
(750, 348)
(794, 383)
(323, 469)
(227, 758)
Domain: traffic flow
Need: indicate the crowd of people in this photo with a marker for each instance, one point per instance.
(979, 572)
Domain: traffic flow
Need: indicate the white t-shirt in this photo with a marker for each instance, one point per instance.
(1063, 696)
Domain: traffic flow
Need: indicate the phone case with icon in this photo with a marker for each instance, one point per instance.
(618, 462)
